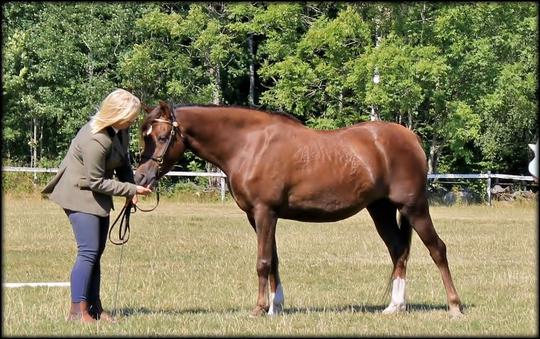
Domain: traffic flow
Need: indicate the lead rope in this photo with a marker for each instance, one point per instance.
(125, 213)
(123, 230)
(117, 282)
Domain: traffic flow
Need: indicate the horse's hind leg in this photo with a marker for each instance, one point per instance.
(276, 298)
(421, 221)
(398, 241)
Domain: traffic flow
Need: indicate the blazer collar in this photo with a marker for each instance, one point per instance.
(111, 131)
(116, 141)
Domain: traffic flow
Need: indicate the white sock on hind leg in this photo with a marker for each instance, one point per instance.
(276, 301)
(397, 302)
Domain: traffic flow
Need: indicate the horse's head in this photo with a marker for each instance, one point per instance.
(163, 144)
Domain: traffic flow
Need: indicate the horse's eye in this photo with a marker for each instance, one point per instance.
(137, 158)
(162, 138)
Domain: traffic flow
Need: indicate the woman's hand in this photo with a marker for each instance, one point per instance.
(140, 190)
(143, 190)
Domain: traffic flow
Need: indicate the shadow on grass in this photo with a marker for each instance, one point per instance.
(368, 308)
(131, 311)
(417, 308)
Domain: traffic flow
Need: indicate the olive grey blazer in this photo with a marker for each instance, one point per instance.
(84, 181)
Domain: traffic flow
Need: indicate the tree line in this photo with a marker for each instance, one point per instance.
(463, 76)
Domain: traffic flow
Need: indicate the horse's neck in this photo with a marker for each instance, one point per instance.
(214, 134)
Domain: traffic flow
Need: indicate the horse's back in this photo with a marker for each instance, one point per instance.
(334, 174)
(325, 175)
(387, 149)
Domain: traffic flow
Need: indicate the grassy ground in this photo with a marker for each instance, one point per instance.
(189, 269)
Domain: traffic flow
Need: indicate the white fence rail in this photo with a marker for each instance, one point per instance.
(220, 174)
(481, 176)
(487, 176)
(36, 284)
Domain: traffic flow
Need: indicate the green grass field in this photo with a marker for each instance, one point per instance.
(189, 269)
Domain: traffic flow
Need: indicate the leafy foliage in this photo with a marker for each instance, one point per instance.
(461, 75)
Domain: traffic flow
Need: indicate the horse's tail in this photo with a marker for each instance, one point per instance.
(405, 235)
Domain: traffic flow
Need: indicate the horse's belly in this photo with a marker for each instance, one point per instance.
(324, 205)
(318, 214)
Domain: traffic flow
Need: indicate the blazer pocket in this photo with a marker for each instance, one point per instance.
(83, 184)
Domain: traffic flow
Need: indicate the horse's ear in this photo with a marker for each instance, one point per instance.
(146, 108)
(163, 105)
(164, 108)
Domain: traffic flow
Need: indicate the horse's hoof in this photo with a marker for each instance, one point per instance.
(393, 308)
(455, 313)
(275, 309)
(257, 312)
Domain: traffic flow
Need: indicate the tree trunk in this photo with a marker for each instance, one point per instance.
(251, 95)
(340, 101)
(423, 16)
(433, 155)
(214, 182)
(40, 142)
(33, 146)
(217, 95)
(374, 116)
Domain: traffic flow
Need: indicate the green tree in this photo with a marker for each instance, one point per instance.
(461, 75)
(59, 64)
(310, 82)
(482, 43)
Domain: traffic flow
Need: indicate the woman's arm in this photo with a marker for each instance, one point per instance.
(94, 156)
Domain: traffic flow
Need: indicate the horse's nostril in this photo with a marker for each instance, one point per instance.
(139, 177)
(151, 181)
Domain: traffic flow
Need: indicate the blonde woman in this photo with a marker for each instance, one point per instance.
(84, 187)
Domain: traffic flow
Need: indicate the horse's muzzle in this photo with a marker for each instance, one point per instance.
(144, 180)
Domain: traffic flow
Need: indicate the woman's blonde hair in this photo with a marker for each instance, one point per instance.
(118, 107)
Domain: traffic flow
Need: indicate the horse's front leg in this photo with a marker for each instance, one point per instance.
(265, 226)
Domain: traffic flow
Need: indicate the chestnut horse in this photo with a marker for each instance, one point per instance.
(278, 168)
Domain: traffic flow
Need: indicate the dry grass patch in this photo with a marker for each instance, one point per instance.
(189, 269)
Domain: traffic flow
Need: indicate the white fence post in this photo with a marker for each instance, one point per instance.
(222, 188)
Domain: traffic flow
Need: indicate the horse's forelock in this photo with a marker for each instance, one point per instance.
(154, 114)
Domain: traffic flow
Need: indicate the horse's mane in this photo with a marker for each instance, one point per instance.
(279, 113)
(154, 114)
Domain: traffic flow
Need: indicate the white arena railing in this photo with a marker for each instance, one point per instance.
(485, 176)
